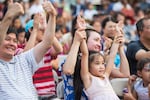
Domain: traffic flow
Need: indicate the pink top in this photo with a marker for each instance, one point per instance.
(101, 90)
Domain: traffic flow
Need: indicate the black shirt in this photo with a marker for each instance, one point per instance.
(132, 49)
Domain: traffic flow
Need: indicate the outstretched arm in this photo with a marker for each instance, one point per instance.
(41, 48)
(14, 9)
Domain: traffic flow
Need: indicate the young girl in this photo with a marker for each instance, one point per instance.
(96, 77)
(141, 88)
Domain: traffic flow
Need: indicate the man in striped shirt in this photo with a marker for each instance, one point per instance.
(16, 71)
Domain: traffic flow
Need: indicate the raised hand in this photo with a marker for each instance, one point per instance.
(81, 23)
(49, 8)
(79, 35)
(119, 28)
(14, 9)
(132, 79)
(128, 96)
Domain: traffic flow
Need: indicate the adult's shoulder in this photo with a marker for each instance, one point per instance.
(133, 47)
(134, 43)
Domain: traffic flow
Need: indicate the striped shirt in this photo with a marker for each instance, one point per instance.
(16, 77)
(43, 78)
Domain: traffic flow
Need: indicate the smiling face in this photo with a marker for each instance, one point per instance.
(94, 41)
(97, 65)
(8, 47)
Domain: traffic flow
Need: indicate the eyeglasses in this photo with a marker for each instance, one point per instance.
(147, 68)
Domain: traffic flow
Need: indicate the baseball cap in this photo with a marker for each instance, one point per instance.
(29, 25)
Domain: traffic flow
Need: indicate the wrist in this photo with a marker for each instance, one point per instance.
(54, 14)
(76, 42)
(8, 16)
(35, 29)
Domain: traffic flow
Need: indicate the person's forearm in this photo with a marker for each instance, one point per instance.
(50, 31)
(4, 25)
(113, 52)
(68, 67)
(32, 40)
(124, 65)
(57, 46)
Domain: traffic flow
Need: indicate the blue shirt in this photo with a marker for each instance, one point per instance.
(69, 89)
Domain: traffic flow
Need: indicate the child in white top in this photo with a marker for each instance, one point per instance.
(96, 77)
(141, 88)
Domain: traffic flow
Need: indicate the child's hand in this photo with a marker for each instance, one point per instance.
(80, 35)
(132, 79)
(49, 8)
(128, 96)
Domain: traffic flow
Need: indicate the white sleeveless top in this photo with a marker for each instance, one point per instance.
(100, 90)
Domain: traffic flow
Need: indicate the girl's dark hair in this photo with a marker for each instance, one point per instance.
(141, 63)
(77, 81)
(92, 55)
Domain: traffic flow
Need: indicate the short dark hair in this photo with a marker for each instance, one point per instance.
(141, 63)
(20, 30)
(140, 24)
(12, 30)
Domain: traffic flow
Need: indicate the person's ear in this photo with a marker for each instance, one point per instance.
(139, 73)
